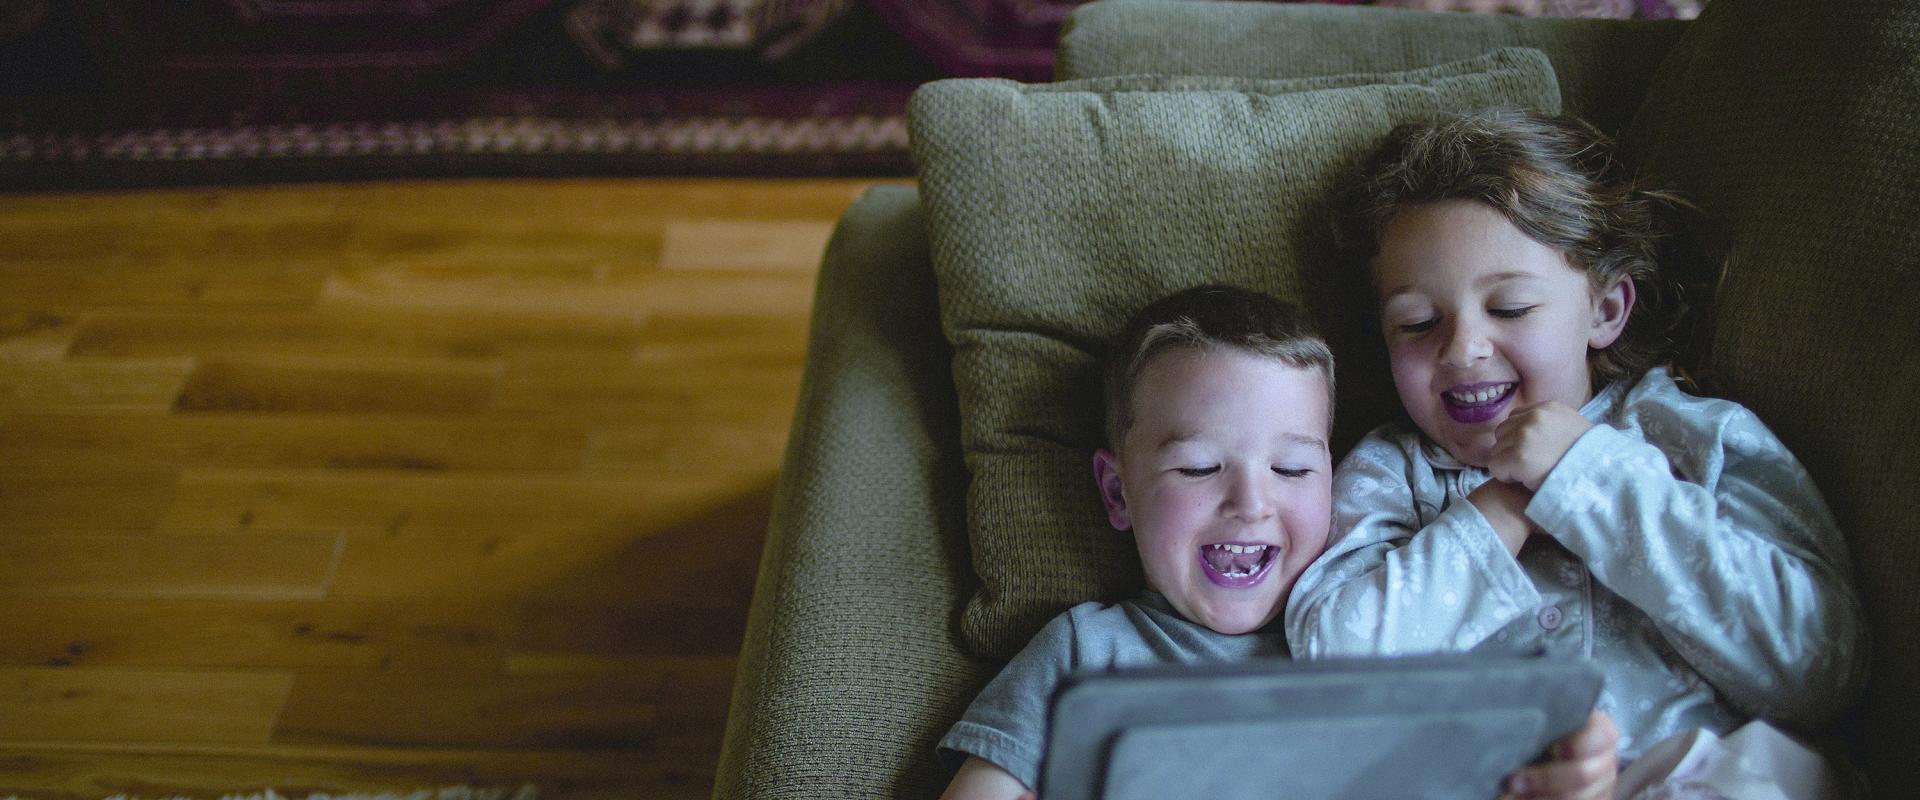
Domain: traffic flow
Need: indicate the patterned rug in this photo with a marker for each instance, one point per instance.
(524, 792)
(118, 93)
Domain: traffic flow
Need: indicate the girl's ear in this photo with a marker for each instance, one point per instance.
(1610, 311)
(1106, 472)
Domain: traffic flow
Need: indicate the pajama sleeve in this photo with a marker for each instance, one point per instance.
(1718, 534)
(1391, 585)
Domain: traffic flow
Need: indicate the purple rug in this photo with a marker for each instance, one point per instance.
(120, 93)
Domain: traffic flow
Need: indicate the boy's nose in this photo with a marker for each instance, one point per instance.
(1466, 343)
(1247, 498)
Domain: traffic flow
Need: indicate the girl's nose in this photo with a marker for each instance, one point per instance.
(1466, 343)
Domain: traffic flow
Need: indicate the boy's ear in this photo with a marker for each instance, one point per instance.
(1610, 311)
(1106, 473)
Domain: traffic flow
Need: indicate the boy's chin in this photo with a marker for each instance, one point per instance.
(1232, 621)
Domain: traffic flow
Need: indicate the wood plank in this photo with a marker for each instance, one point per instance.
(513, 537)
(36, 335)
(104, 705)
(677, 337)
(226, 634)
(746, 245)
(46, 500)
(667, 445)
(70, 771)
(156, 276)
(339, 386)
(563, 635)
(603, 710)
(336, 332)
(619, 390)
(625, 560)
(583, 291)
(65, 441)
(93, 385)
(409, 503)
(564, 563)
(275, 566)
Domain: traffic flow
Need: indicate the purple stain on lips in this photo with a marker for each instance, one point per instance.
(1213, 564)
(1470, 413)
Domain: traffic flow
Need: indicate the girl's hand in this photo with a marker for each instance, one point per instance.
(1583, 766)
(1505, 507)
(1531, 440)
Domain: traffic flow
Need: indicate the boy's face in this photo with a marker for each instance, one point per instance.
(1481, 320)
(1225, 480)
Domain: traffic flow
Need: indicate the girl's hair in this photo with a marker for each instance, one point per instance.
(1208, 317)
(1556, 180)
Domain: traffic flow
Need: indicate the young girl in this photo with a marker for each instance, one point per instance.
(1556, 490)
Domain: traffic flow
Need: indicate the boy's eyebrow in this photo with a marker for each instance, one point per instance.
(1307, 439)
(1178, 437)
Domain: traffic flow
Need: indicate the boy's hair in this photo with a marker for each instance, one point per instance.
(1556, 180)
(1202, 318)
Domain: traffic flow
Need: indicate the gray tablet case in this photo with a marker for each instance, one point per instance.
(1430, 727)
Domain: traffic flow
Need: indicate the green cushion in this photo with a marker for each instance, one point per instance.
(1055, 211)
(1794, 120)
(1603, 65)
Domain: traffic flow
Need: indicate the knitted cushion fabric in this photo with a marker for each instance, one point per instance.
(1603, 65)
(1056, 210)
(1794, 120)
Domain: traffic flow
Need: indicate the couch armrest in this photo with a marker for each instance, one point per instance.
(851, 669)
(1604, 65)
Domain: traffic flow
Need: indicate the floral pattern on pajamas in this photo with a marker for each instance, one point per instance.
(1678, 544)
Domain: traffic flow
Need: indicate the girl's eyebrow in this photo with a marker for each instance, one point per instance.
(1502, 277)
(1479, 283)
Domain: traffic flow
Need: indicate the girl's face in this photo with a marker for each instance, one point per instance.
(1481, 320)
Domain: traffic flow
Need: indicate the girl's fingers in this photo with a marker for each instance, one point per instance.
(1582, 779)
(1583, 765)
(1599, 736)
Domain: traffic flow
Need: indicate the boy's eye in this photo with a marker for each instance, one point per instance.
(1196, 472)
(1285, 472)
(1514, 312)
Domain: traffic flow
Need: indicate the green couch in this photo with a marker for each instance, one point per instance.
(1794, 125)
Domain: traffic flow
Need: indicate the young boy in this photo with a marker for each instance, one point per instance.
(1219, 406)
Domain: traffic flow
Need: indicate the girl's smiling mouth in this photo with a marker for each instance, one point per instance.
(1237, 566)
(1477, 402)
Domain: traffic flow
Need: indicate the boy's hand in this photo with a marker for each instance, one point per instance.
(1531, 440)
(1582, 766)
(1505, 507)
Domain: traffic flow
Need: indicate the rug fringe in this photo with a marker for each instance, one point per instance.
(523, 792)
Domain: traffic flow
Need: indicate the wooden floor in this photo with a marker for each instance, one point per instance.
(389, 486)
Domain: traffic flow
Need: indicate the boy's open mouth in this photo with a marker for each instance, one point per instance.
(1237, 565)
(1477, 402)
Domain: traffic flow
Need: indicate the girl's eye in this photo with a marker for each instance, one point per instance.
(1512, 313)
(1196, 472)
(1417, 327)
(1284, 472)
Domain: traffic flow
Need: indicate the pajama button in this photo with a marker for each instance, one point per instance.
(1550, 617)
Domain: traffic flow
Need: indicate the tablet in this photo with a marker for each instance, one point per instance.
(1430, 726)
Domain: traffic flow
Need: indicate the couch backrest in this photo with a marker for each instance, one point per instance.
(1604, 65)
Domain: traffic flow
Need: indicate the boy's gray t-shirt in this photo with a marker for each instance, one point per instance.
(1007, 723)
